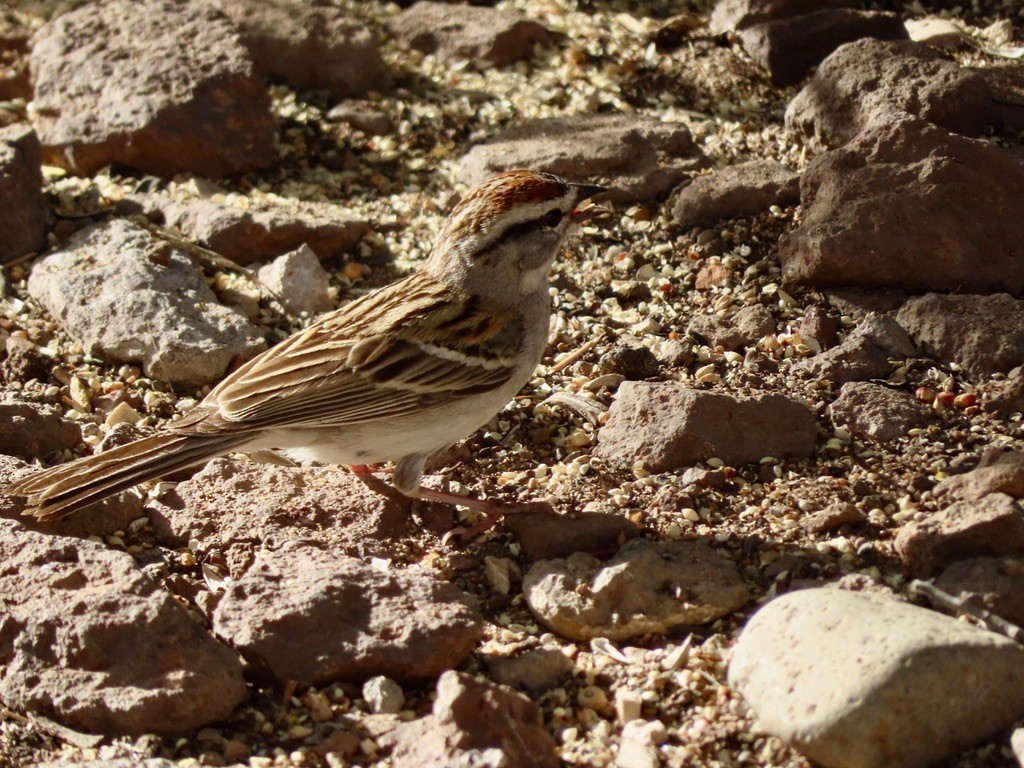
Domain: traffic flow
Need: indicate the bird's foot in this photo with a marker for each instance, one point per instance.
(491, 512)
(368, 469)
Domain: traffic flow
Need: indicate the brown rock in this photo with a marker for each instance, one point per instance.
(24, 361)
(34, 430)
(160, 86)
(638, 158)
(754, 322)
(543, 536)
(717, 331)
(22, 204)
(983, 334)
(873, 81)
(471, 716)
(485, 36)
(245, 235)
(992, 526)
(299, 281)
(817, 325)
(363, 116)
(866, 353)
(536, 670)
(309, 45)
(995, 583)
(889, 210)
(731, 15)
(711, 275)
(876, 411)
(91, 641)
(996, 473)
(15, 82)
(832, 517)
(243, 506)
(669, 426)
(353, 620)
(1005, 397)
(789, 48)
(736, 190)
(647, 588)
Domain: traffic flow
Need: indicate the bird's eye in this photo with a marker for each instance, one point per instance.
(552, 218)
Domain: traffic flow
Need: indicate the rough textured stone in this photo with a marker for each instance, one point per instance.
(537, 670)
(987, 527)
(866, 353)
(646, 588)
(364, 116)
(474, 722)
(730, 15)
(816, 324)
(90, 640)
(353, 620)
(833, 516)
(15, 82)
(125, 296)
(22, 204)
(638, 158)
(299, 280)
(668, 426)
(34, 430)
(994, 583)
(309, 45)
(983, 334)
(1005, 397)
(876, 411)
(856, 680)
(788, 48)
(24, 361)
(736, 190)
(870, 81)
(889, 210)
(242, 506)
(996, 472)
(542, 536)
(160, 86)
(484, 36)
(245, 235)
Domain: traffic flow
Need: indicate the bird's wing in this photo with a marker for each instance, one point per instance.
(386, 354)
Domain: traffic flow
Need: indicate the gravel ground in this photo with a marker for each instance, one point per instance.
(629, 276)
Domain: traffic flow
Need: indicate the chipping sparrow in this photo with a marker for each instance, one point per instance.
(397, 374)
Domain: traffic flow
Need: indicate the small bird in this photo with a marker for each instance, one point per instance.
(396, 375)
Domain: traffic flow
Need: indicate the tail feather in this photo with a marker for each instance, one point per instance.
(59, 491)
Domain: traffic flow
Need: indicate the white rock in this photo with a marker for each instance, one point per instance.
(384, 695)
(299, 280)
(936, 31)
(127, 297)
(859, 680)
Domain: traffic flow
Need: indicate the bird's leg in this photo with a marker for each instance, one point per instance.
(368, 469)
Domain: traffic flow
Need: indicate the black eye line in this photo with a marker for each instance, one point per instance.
(522, 227)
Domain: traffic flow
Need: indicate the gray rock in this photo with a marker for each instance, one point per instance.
(889, 210)
(384, 695)
(647, 588)
(988, 527)
(22, 204)
(160, 86)
(299, 280)
(91, 641)
(309, 45)
(537, 670)
(542, 535)
(873, 81)
(484, 36)
(733, 15)
(736, 190)
(790, 47)
(127, 297)
(639, 158)
(669, 426)
(994, 583)
(866, 353)
(354, 621)
(983, 334)
(856, 680)
(877, 412)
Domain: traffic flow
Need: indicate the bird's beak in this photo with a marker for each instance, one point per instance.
(584, 192)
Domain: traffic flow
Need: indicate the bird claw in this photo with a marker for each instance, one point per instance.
(464, 534)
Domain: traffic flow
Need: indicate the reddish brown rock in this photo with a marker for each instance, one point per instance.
(736, 190)
(788, 48)
(484, 36)
(471, 716)
(730, 15)
(1005, 397)
(24, 361)
(816, 324)
(309, 45)
(992, 526)
(871, 81)
(304, 614)
(34, 430)
(243, 506)
(537, 670)
(669, 426)
(889, 210)
(542, 536)
(832, 517)
(637, 157)
(982, 334)
(867, 352)
(22, 204)
(995, 583)
(91, 641)
(877, 412)
(160, 86)
(996, 472)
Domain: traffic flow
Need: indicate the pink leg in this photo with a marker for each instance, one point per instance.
(492, 512)
(368, 469)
